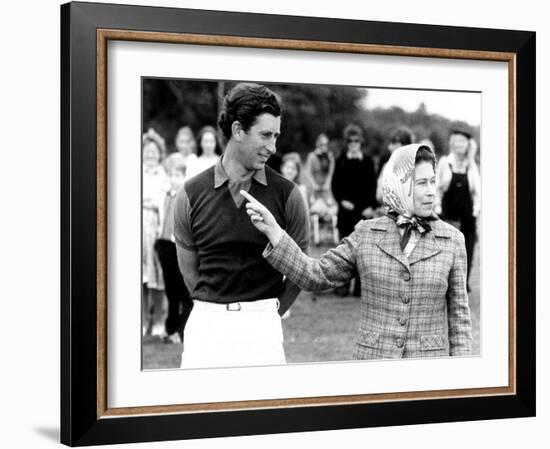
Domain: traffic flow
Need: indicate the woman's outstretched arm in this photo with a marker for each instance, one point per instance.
(336, 267)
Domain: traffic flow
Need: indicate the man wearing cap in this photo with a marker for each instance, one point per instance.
(238, 297)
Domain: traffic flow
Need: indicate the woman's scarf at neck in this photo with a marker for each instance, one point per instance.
(398, 192)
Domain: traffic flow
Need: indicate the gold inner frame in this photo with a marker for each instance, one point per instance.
(104, 35)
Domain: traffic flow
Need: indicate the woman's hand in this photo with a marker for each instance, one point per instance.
(262, 219)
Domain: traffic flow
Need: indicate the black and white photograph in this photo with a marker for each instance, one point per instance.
(277, 223)
(300, 223)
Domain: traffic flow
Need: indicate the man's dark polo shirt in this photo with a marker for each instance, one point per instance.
(210, 218)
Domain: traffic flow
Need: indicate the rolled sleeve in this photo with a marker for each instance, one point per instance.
(182, 221)
(460, 323)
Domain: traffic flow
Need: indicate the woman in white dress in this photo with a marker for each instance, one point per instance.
(155, 183)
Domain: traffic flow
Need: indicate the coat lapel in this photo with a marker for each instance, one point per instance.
(389, 241)
(425, 248)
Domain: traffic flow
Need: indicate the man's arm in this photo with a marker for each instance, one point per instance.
(188, 263)
(188, 259)
(298, 229)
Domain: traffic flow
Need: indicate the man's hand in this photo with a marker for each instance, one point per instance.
(348, 205)
(262, 219)
(368, 212)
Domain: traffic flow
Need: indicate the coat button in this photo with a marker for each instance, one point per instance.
(405, 299)
(402, 321)
(406, 276)
(399, 342)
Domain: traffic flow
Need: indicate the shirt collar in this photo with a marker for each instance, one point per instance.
(351, 155)
(220, 175)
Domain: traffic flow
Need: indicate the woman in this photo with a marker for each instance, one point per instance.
(459, 189)
(290, 169)
(318, 172)
(208, 154)
(412, 267)
(185, 150)
(155, 183)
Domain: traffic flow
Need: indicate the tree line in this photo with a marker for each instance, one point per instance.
(308, 110)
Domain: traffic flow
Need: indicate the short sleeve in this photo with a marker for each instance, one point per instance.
(297, 219)
(182, 221)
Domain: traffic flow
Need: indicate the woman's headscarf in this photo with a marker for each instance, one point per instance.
(398, 190)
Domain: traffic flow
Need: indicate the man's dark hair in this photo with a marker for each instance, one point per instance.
(424, 154)
(353, 131)
(244, 103)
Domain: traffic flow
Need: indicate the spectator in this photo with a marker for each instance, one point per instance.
(318, 172)
(208, 153)
(186, 146)
(354, 188)
(290, 169)
(179, 301)
(459, 184)
(154, 184)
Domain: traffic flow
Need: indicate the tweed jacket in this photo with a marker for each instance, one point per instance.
(410, 307)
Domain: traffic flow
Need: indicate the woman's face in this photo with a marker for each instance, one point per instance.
(458, 144)
(424, 189)
(289, 170)
(184, 143)
(151, 154)
(322, 144)
(208, 144)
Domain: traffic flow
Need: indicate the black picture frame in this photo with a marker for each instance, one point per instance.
(82, 420)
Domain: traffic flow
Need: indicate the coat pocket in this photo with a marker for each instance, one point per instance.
(432, 342)
(368, 339)
(367, 346)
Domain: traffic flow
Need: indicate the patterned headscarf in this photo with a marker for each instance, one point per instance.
(398, 191)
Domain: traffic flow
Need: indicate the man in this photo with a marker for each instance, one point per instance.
(236, 293)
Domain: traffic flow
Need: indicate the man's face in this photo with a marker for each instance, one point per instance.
(258, 143)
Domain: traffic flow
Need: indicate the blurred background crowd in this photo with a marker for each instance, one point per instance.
(332, 145)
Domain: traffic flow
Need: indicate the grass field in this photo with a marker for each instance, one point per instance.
(321, 327)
